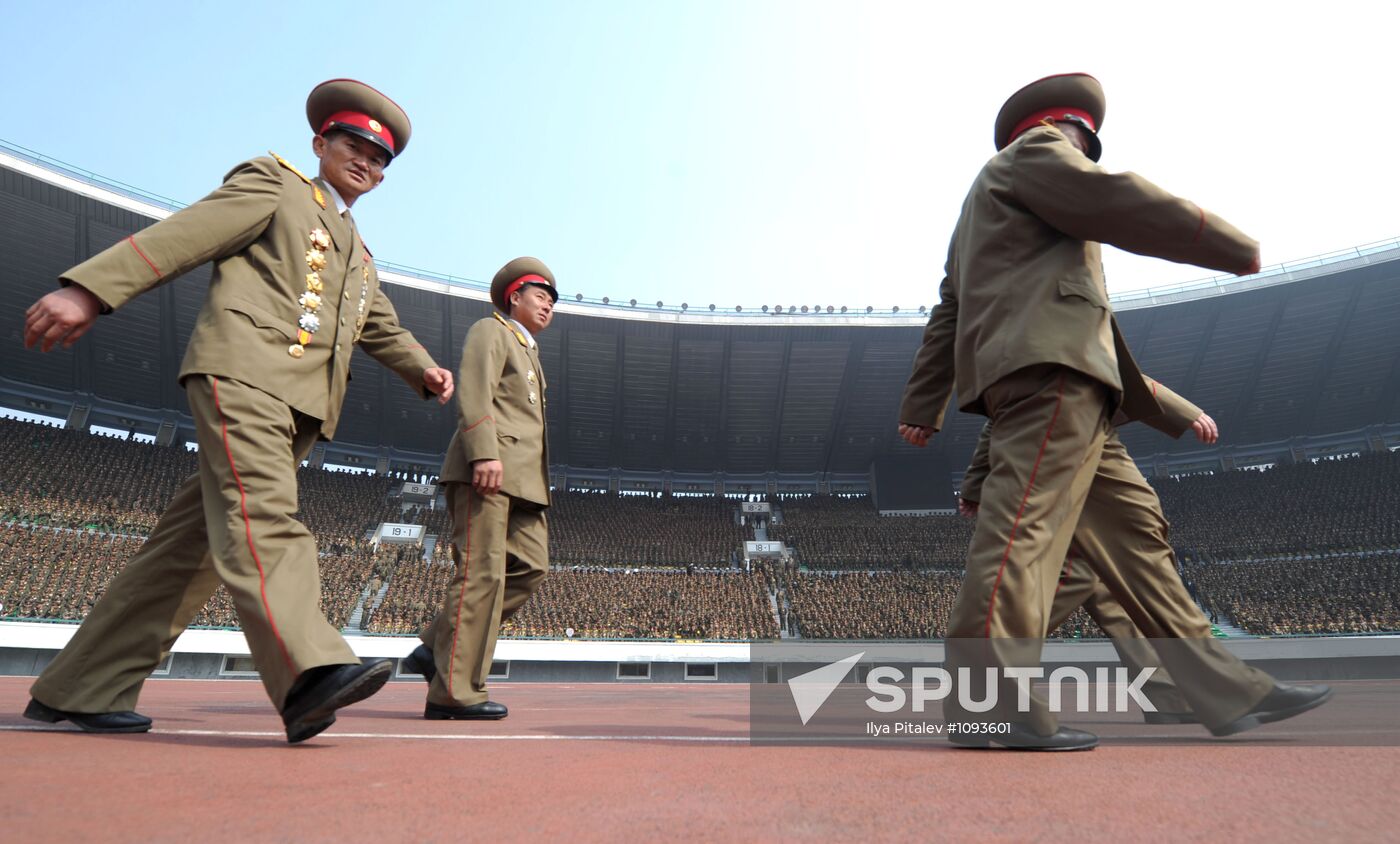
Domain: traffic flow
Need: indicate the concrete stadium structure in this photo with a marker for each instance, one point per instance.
(1302, 360)
(1298, 362)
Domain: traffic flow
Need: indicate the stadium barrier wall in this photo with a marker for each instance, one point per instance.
(27, 647)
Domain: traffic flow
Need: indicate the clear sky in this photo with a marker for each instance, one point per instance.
(747, 152)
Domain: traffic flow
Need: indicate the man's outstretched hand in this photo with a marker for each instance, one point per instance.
(60, 317)
(1206, 429)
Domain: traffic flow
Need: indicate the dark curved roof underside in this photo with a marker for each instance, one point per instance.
(1305, 357)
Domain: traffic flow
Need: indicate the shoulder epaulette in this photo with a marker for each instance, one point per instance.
(315, 190)
(520, 338)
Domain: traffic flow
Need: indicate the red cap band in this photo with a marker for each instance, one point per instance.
(362, 121)
(1057, 113)
(530, 278)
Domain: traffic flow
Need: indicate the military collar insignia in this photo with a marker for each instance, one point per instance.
(316, 192)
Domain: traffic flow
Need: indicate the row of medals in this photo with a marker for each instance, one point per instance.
(309, 322)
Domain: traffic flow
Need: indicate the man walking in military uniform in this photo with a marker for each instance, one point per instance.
(1079, 586)
(294, 290)
(1025, 333)
(496, 475)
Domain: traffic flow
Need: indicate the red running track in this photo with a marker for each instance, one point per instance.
(644, 762)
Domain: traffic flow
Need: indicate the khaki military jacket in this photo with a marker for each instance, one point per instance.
(500, 410)
(260, 229)
(1024, 284)
(1175, 420)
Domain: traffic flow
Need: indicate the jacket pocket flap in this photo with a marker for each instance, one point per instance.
(262, 318)
(1083, 288)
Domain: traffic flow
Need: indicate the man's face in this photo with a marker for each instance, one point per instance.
(351, 164)
(532, 307)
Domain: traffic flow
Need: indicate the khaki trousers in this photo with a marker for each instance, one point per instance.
(1079, 586)
(233, 522)
(500, 546)
(1058, 473)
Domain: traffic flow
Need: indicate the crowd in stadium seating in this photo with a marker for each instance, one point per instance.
(1332, 505)
(415, 594)
(597, 529)
(58, 470)
(648, 604)
(73, 508)
(832, 533)
(57, 573)
(870, 605)
(880, 605)
(1357, 594)
(630, 604)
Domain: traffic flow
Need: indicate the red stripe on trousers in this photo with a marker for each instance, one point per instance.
(248, 527)
(462, 596)
(1069, 564)
(991, 605)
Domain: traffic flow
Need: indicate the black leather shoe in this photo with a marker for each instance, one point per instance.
(486, 711)
(1022, 737)
(319, 692)
(1283, 702)
(1160, 718)
(90, 722)
(420, 662)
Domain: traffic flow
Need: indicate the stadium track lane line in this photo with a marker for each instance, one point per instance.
(1136, 737)
(25, 728)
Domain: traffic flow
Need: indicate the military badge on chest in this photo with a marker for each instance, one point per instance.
(364, 294)
(310, 301)
(530, 379)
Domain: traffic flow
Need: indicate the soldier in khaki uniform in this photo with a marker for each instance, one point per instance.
(496, 475)
(1080, 586)
(1025, 333)
(294, 291)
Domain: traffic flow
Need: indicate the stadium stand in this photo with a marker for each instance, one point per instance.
(592, 529)
(1332, 505)
(847, 533)
(1276, 551)
(1353, 594)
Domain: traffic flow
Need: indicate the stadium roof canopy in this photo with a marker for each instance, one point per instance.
(1301, 349)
